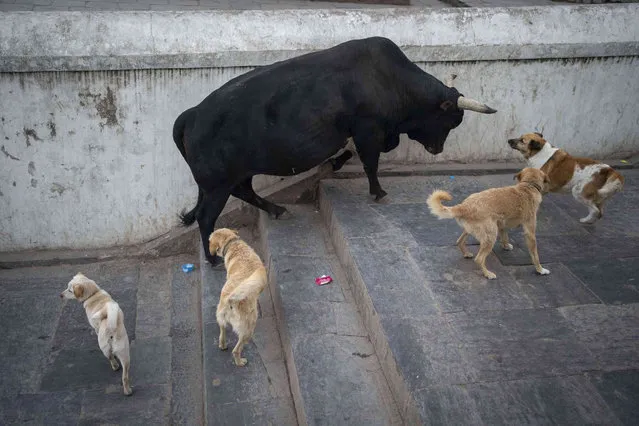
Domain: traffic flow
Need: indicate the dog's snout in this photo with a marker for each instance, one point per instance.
(512, 142)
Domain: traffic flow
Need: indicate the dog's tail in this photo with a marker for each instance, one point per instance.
(614, 183)
(436, 207)
(112, 312)
(253, 285)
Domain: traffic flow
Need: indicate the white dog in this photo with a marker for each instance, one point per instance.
(107, 319)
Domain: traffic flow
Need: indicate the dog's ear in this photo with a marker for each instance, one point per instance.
(78, 290)
(534, 145)
(539, 134)
(235, 231)
(517, 177)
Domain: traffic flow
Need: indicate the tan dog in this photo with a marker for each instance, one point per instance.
(107, 319)
(488, 213)
(245, 279)
(590, 182)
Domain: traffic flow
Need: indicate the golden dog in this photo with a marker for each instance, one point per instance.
(245, 279)
(107, 319)
(486, 214)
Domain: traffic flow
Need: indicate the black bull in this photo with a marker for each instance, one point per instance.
(288, 117)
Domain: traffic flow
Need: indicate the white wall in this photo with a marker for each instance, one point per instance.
(87, 155)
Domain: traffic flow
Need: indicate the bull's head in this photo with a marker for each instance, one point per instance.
(431, 129)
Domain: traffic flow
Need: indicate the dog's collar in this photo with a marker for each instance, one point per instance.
(534, 185)
(538, 160)
(228, 243)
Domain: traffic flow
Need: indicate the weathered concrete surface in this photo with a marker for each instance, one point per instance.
(523, 348)
(233, 38)
(90, 153)
(334, 371)
(257, 393)
(52, 371)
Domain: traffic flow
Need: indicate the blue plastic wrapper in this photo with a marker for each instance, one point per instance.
(188, 267)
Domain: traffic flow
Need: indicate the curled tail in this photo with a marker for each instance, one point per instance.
(436, 207)
(253, 285)
(112, 312)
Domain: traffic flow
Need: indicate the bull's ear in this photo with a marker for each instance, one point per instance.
(446, 104)
(539, 134)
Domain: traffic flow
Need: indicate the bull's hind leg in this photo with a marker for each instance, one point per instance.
(212, 204)
(244, 191)
(339, 161)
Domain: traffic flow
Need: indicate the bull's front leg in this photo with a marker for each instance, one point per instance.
(369, 141)
(371, 161)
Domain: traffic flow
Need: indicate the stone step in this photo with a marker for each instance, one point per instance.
(523, 348)
(334, 371)
(258, 393)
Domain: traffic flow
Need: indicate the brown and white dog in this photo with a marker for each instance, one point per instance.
(590, 181)
(245, 279)
(494, 211)
(107, 319)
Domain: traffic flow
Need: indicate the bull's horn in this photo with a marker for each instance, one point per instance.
(449, 80)
(473, 105)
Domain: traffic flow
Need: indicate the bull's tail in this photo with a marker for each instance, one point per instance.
(252, 286)
(112, 312)
(187, 218)
(436, 207)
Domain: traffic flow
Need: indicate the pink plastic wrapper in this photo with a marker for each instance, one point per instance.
(323, 280)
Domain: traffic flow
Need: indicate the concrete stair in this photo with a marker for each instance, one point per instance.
(459, 349)
(334, 371)
(258, 393)
(411, 333)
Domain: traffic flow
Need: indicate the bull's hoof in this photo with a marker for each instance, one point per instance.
(282, 216)
(216, 262)
(378, 197)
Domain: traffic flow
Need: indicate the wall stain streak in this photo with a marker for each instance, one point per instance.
(30, 133)
(4, 151)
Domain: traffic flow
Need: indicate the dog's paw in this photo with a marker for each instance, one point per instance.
(468, 255)
(588, 220)
(128, 391)
(490, 275)
(223, 347)
(507, 247)
(241, 363)
(543, 271)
